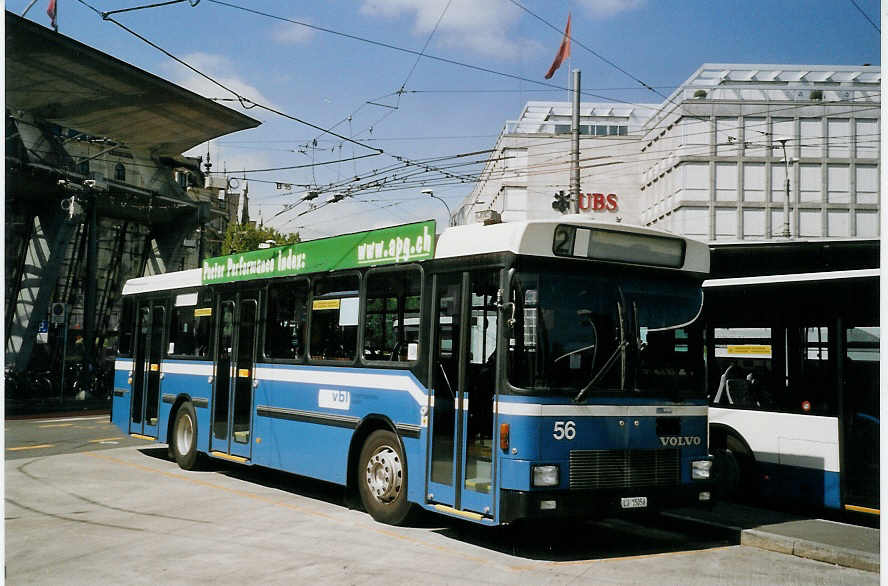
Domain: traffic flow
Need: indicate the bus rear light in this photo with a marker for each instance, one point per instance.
(504, 437)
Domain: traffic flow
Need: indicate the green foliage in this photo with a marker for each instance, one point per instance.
(246, 237)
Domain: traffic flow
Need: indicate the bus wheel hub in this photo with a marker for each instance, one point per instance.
(384, 474)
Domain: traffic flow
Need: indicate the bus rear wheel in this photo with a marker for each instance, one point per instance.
(382, 478)
(183, 442)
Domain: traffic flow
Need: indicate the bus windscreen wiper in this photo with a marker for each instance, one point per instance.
(605, 368)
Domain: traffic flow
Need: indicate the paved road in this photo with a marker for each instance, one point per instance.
(127, 515)
(27, 438)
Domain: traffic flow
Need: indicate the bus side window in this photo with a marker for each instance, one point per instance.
(286, 319)
(127, 324)
(334, 318)
(391, 317)
(190, 325)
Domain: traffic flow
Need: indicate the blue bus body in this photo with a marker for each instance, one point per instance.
(458, 401)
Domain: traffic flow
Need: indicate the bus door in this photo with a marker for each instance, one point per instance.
(233, 381)
(146, 368)
(463, 368)
(860, 418)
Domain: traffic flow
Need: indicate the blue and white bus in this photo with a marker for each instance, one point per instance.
(793, 355)
(499, 372)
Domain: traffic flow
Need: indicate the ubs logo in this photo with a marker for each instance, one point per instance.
(679, 441)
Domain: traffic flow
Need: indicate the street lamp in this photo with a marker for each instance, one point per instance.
(431, 194)
(786, 163)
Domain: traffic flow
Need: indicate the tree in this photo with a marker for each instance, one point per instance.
(247, 237)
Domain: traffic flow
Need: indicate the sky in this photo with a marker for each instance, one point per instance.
(482, 60)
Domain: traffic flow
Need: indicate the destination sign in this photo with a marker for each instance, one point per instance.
(384, 246)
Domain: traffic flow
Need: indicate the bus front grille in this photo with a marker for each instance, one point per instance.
(624, 468)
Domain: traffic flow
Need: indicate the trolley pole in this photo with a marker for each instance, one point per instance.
(575, 147)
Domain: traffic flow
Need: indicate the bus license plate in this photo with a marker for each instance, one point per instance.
(634, 502)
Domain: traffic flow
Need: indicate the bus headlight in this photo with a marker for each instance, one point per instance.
(545, 475)
(700, 469)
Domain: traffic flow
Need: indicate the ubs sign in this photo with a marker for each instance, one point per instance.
(598, 202)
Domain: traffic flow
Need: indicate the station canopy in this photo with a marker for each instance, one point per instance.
(63, 81)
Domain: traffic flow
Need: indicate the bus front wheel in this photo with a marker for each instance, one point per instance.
(184, 439)
(382, 478)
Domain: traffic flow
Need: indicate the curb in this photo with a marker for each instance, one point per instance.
(803, 548)
(811, 550)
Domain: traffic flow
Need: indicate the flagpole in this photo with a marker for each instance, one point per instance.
(575, 147)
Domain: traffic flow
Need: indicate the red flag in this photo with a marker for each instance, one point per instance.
(52, 12)
(563, 50)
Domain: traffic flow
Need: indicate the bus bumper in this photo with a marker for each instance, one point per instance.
(519, 504)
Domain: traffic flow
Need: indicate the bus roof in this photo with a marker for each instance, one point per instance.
(579, 238)
(537, 238)
(163, 282)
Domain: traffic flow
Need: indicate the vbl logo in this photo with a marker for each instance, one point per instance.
(598, 202)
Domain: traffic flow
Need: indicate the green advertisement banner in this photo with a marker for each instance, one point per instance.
(397, 244)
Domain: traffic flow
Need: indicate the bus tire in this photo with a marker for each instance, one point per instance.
(734, 474)
(183, 441)
(382, 478)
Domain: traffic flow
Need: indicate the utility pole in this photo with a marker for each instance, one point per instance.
(785, 234)
(575, 147)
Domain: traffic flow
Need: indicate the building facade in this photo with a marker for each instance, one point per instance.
(532, 163)
(715, 156)
(709, 161)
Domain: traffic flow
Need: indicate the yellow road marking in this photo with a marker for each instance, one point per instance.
(55, 425)
(144, 437)
(860, 509)
(40, 447)
(105, 439)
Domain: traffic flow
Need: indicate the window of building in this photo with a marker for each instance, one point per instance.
(810, 183)
(119, 172)
(726, 181)
(191, 325)
(726, 224)
(838, 184)
(391, 318)
(838, 134)
(754, 182)
(867, 184)
(286, 320)
(838, 223)
(778, 182)
(755, 136)
(334, 318)
(867, 139)
(753, 223)
(811, 131)
(810, 223)
(866, 223)
(727, 136)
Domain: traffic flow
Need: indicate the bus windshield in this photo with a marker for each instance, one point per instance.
(582, 332)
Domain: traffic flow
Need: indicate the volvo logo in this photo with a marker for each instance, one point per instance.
(684, 440)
